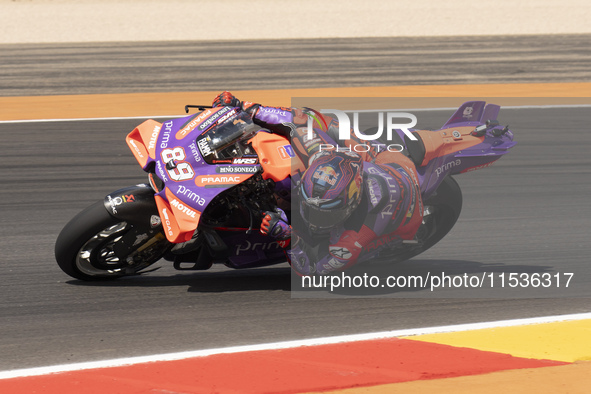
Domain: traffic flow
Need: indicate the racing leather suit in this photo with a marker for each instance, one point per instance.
(391, 208)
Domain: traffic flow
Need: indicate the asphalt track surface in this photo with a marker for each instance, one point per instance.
(527, 213)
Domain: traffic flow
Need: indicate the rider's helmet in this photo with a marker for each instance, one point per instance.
(330, 190)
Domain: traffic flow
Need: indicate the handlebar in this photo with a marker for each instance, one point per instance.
(199, 107)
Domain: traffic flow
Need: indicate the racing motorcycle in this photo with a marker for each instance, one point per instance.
(211, 175)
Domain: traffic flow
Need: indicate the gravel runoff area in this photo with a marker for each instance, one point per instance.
(53, 21)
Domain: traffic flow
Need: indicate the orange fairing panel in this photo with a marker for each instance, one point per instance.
(169, 224)
(186, 217)
(177, 221)
(142, 141)
(275, 154)
(443, 142)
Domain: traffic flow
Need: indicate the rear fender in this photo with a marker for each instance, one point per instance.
(134, 204)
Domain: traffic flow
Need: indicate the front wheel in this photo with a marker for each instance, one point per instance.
(97, 246)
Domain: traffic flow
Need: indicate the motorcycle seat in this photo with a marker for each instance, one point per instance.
(416, 149)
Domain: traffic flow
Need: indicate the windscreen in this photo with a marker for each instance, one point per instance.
(227, 140)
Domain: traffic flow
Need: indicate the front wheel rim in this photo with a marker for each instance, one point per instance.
(97, 257)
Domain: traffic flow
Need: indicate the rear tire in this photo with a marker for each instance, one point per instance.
(84, 247)
(446, 205)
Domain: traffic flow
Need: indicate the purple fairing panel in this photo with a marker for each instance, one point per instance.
(193, 181)
(256, 250)
(476, 157)
(469, 113)
(274, 115)
(432, 174)
(491, 111)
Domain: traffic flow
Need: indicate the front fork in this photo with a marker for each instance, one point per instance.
(136, 206)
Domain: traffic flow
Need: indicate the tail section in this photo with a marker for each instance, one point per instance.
(491, 111)
(470, 111)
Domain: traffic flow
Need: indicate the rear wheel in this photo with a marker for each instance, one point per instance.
(442, 211)
(97, 246)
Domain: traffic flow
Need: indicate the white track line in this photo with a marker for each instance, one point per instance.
(90, 119)
(287, 345)
(360, 111)
(502, 107)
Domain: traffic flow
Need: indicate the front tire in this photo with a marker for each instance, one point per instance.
(85, 248)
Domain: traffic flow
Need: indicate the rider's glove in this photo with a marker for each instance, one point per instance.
(226, 99)
(344, 253)
(275, 224)
(300, 261)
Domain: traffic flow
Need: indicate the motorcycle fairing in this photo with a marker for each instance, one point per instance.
(142, 142)
(446, 141)
(190, 182)
(196, 161)
(471, 112)
(275, 155)
(491, 112)
(456, 148)
(252, 251)
(178, 221)
(131, 204)
(169, 223)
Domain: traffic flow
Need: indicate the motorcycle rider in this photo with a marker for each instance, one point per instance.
(356, 208)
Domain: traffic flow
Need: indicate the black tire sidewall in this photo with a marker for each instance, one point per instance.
(76, 233)
(448, 204)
